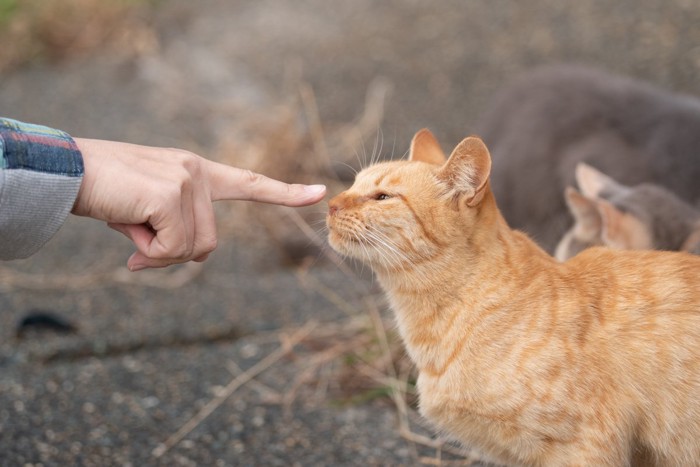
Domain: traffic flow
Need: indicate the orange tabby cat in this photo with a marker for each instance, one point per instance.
(591, 362)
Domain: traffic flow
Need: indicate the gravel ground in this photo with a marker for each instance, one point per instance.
(150, 353)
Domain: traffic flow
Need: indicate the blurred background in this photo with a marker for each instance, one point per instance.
(275, 351)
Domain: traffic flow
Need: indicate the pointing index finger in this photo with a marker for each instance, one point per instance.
(231, 183)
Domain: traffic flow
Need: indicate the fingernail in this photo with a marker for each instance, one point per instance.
(314, 189)
(137, 267)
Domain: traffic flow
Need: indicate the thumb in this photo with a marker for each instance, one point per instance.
(141, 236)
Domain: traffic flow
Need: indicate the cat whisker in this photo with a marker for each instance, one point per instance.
(321, 223)
(393, 246)
(389, 251)
(393, 146)
(380, 137)
(365, 161)
(360, 162)
(373, 160)
(388, 248)
(345, 164)
(363, 241)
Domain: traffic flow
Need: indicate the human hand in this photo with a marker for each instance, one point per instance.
(161, 199)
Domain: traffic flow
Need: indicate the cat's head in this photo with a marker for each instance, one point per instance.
(402, 213)
(642, 217)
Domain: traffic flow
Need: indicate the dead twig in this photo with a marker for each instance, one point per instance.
(285, 347)
(269, 394)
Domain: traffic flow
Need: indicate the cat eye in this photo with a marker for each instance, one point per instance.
(381, 196)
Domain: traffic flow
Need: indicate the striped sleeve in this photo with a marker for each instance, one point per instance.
(41, 170)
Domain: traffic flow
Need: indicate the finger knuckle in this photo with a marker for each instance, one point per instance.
(178, 179)
(184, 168)
(190, 161)
(253, 178)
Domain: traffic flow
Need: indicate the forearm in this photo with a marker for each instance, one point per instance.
(41, 170)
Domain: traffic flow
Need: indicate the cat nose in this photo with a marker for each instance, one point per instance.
(333, 206)
(338, 203)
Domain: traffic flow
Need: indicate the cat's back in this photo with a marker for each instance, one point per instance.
(637, 280)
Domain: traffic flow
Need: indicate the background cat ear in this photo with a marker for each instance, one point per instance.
(622, 230)
(425, 148)
(585, 211)
(692, 243)
(467, 170)
(593, 182)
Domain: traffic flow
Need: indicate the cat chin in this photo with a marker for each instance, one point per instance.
(351, 250)
(341, 244)
(349, 247)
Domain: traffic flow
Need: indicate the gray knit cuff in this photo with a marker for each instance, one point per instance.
(41, 172)
(33, 206)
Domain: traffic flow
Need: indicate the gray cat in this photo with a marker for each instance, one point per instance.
(545, 123)
(645, 216)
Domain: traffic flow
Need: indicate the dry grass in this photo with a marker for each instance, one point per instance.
(55, 30)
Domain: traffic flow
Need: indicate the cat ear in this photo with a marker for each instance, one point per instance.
(593, 182)
(467, 170)
(622, 230)
(425, 148)
(585, 211)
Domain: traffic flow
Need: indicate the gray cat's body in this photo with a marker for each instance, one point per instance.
(545, 123)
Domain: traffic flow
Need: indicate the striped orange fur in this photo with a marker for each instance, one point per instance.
(591, 362)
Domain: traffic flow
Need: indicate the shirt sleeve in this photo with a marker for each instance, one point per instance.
(41, 170)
